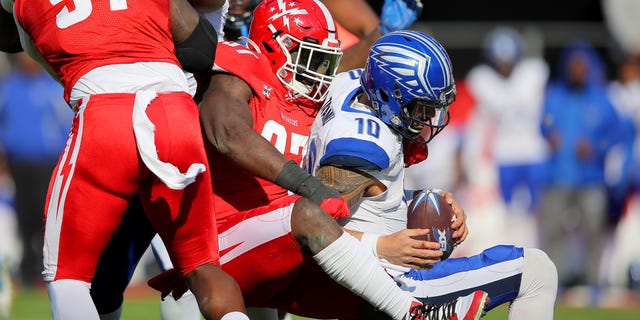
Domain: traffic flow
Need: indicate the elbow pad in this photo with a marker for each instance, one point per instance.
(197, 52)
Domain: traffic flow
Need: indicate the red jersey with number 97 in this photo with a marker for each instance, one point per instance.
(76, 36)
(275, 116)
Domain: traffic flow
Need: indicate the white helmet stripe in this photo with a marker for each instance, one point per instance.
(330, 23)
(439, 54)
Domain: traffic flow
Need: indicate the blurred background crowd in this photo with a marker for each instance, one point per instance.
(543, 149)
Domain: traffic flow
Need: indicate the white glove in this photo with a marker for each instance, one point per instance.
(399, 14)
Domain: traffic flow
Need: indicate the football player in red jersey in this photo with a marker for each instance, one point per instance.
(273, 242)
(122, 77)
(257, 114)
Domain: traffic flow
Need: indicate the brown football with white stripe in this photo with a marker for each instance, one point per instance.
(429, 210)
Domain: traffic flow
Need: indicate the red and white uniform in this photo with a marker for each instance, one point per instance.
(256, 244)
(116, 61)
(275, 117)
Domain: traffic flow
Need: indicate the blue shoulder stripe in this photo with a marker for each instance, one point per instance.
(355, 153)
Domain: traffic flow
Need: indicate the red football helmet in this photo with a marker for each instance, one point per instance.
(299, 38)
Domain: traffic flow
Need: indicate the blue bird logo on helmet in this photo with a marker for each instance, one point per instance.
(409, 80)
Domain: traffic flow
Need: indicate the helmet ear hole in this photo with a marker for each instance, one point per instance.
(267, 47)
(383, 95)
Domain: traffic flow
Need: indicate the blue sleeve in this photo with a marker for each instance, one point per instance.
(355, 153)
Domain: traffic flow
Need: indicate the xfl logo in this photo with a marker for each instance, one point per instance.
(441, 235)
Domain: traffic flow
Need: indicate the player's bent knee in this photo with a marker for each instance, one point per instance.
(542, 268)
(313, 228)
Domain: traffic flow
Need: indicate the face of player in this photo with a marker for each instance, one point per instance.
(312, 67)
(422, 114)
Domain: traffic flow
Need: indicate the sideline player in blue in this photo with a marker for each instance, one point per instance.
(360, 143)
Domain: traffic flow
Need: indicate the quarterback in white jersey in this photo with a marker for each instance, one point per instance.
(358, 145)
(351, 135)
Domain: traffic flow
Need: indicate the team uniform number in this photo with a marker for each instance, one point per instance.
(278, 135)
(81, 11)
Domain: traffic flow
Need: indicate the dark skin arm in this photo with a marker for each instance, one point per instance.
(184, 16)
(184, 19)
(207, 5)
(216, 291)
(352, 184)
(399, 248)
(359, 24)
(228, 124)
(364, 25)
(356, 55)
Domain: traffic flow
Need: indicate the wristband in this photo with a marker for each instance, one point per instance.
(294, 178)
(370, 240)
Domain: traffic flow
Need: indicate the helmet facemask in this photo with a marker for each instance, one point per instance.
(299, 39)
(310, 67)
(424, 118)
(419, 119)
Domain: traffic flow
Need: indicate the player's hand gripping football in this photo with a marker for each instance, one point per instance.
(399, 14)
(459, 225)
(404, 248)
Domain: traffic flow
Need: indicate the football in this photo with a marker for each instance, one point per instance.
(429, 210)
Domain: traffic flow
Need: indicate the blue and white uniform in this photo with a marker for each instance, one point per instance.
(349, 134)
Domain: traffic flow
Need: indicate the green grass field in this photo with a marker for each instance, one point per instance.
(142, 304)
